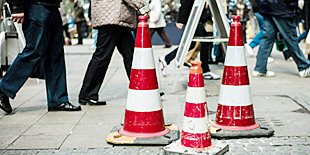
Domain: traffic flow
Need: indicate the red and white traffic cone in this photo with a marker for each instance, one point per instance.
(235, 109)
(144, 115)
(195, 137)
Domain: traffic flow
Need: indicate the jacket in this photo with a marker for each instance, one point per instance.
(17, 6)
(115, 12)
(185, 10)
(280, 8)
(157, 19)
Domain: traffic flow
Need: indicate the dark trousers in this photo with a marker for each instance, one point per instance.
(81, 29)
(206, 47)
(44, 42)
(162, 34)
(109, 37)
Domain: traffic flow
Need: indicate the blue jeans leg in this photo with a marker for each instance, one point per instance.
(266, 44)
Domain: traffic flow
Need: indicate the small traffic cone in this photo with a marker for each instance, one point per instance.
(235, 110)
(144, 115)
(195, 136)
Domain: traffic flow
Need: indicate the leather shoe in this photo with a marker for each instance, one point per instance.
(66, 106)
(92, 102)
(5, 103)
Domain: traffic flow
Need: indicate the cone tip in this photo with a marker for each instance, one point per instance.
(236, 17)
(143, 18)
(196, 67)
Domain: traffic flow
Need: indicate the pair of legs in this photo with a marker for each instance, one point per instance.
(287, 28)
(44, 37)
(81, 30)
(162, 34)
(109, 37)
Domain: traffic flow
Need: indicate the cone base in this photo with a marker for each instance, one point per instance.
(236, 128)
(143, 135)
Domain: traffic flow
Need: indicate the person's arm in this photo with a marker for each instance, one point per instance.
(138, 5)
(17, 10)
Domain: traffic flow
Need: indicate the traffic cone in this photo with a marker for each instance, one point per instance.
(195, 132)
(235, 110)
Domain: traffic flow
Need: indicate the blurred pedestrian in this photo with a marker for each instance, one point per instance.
(42, 27)
(157, 22)
(66, 10)
(80, 21)
(184, 12)
(114, 20)
(279, 15)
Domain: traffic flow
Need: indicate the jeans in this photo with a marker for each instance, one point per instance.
(256, 40)
(287, 28)
(109, 37)
(44, 43)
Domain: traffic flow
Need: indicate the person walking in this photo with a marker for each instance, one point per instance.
(206, 47)
(42, 27)
(80, 21)
(114, 20)
(157, 22)
(279, 15)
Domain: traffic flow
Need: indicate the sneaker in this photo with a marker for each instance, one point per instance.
(249, 49)
(211, 76)
(270, 60)
(5, 103)
(162, 65)
(267, 74)
(305, 73)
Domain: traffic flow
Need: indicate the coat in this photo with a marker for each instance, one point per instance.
(115, 12)
(157, 19)
(280, 8)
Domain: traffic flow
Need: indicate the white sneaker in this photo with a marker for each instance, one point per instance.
(305, 73)
(162, 65)
(267, 74)
(211, 76)
(270, 60)
(249, 49)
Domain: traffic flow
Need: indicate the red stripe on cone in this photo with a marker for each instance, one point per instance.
(196, 80)
(236, 76)
(235, 117)
(235, 38)
(196, 140)
(195, 110)
(143, 37)
(144, 122)
(143, 79)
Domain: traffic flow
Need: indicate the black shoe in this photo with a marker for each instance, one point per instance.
(92, 102)
(67, 106)
(167, 46)
(186, 64)
(5, 103)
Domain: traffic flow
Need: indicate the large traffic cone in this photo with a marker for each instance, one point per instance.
(235, 110)
(195, 136)
(144, 115)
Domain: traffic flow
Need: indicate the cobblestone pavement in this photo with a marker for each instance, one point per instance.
(283, 102)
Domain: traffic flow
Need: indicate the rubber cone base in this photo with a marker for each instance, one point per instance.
(262, 131)
(116, 138)
(177, 148)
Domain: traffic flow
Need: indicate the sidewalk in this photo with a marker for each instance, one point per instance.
(282, 101)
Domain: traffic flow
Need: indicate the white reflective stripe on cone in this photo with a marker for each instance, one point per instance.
(235, 56)
(143, 100)
(195, 125)
(196, 95)
(143, 58)
(235, 95)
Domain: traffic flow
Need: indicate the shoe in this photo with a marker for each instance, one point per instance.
(305, 73)
(270, 60)
(92, 102)
(187, 64)
(167, 46)
(249, 49)
(211, 76)
(260, 74)
(66, 106)
(5, 103)
(162, 65)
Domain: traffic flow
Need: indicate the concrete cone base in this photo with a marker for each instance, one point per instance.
(176, 148)
(262, 131)
(117, 139)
